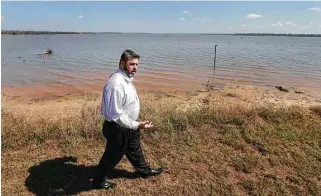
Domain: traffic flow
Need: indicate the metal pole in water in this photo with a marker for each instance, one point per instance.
(215, 57)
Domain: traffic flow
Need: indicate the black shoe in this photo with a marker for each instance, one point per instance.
(151, 172)
(104, 185)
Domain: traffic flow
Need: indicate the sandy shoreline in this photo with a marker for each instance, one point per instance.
(162, 82)
(68, 101)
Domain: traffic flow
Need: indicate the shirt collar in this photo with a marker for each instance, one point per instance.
(128, 79)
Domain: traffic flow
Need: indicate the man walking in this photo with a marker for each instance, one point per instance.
(120, 106)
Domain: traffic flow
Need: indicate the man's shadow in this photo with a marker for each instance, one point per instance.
(61, 176)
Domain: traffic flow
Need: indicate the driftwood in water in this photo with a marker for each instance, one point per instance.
(48, 51)
(282, 89)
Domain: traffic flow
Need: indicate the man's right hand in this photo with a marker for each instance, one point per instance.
(145, 125)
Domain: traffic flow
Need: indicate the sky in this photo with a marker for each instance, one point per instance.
(163, 16)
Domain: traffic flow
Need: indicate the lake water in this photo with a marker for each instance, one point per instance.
(168, 62)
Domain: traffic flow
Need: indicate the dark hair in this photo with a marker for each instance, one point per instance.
(127, 55)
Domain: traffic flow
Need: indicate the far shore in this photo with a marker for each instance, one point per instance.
(26, 32)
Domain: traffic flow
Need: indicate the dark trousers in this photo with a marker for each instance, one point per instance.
(120, 141)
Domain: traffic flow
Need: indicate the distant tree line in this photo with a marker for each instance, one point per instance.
(278, 34)
(18, 32)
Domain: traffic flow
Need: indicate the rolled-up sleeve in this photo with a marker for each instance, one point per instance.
(112, 108)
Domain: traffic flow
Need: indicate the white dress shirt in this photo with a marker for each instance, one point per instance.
(120, 102)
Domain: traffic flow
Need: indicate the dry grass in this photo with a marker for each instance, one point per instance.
(209, 148)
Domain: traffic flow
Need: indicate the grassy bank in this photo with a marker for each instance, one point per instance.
(208, 148)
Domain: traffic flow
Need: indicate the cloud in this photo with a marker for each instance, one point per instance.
(81, 16)
(277, 24)
(185, 12)
(204, 19)
(2, 17)
(230, 27)
(304, 27)
(181, 18)
(201, 19)
(316, 9)
(290, 23)
(243, 25)
(253, 16)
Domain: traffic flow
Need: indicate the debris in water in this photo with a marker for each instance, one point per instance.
(48, 51)
(282, 89)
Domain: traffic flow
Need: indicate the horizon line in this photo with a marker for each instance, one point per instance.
(115, 32)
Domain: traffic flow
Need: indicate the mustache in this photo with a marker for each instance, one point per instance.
(134, 70)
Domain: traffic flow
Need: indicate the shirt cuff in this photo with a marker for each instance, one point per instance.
(135, 125)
